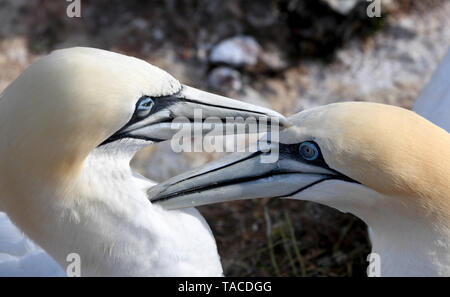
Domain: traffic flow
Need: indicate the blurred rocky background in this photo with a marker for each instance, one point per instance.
(285, 54)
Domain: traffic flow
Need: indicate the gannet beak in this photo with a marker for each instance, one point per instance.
(241, 176)
(192, 106)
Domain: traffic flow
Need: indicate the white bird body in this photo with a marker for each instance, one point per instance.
(384, 164)
(69, 126)
(139, 238)
(130, 235)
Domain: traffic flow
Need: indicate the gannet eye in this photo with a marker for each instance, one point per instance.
(308, 151)
(144, 106)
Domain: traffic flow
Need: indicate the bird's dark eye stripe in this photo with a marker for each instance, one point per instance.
(292, 151)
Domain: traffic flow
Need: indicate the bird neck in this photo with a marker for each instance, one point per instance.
(409, 239)
(410, 247)
(116, 156)
(412, 235)
(83, 216)
(121, 233)
(410, 218)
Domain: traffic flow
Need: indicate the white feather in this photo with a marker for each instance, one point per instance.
(19, 256)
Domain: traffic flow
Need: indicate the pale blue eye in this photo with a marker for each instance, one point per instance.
(308, 151)
(145, 106)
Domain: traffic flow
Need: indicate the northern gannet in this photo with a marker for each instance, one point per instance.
(69, 125)
(385, 164)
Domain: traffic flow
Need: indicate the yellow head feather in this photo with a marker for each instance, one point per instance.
(389, 149)
(59, 98)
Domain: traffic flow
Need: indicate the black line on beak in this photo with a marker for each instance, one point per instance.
(163, 102)
(286, 151)
(219, 168)
(220, 106)
(123, 136)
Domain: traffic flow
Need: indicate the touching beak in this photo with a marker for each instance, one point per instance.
(241, 176)
(193, 108)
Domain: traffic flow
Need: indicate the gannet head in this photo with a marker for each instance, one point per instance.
(68, 103)
(385, 164)
(69, 108)
(370, 159)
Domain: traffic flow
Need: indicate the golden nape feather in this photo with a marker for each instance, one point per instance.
(387, 148)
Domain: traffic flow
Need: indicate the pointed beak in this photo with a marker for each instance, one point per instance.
(192, 107)
(240, 176)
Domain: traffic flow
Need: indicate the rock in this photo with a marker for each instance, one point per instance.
(274, 59)
(340, 258)
(342, 6)
(158, 34)
(225, 79)
(236, 51)
(245, 52)
(261, 14)
(325, 261)
(139, 24)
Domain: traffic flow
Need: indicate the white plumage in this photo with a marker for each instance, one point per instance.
(69, 126)
(384, 164)
(19, 256)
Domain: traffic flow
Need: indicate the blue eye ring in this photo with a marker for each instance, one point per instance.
(145, 106)
(308, 151)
